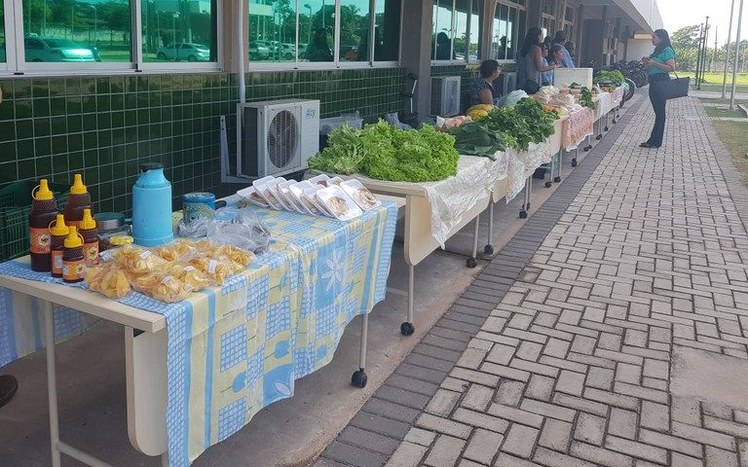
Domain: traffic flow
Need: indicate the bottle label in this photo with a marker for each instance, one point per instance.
(41, 241)
(91, 253)
(56, 262)
(72, 271)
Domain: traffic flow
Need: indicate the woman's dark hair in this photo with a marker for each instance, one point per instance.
(664, 42)
(531, 38)
(488, 68)
(552, 53)
(559, 38)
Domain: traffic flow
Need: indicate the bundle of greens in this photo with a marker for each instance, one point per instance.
(539, 119)
(476, 140)
(612, 77)
(585, 98)
(384, 152)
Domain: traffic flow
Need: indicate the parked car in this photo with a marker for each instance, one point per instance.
(258, 51)
(184, 51)
(51, 49)
(287, 51)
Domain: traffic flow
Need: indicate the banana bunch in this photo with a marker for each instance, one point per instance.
(479, 111)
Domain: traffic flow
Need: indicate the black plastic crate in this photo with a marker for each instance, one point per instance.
(15, 205)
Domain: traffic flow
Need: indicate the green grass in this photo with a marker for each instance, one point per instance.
(732, 135)
(713, 81)
(718, 112)
(712, 100)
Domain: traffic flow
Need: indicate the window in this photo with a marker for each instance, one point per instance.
(178, 30)
(456, 29)
(295, 32)
(508, 31)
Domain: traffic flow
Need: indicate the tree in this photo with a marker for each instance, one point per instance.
(686, 37)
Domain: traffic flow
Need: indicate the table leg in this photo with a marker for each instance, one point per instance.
(471, 262)
(58, 447)
(599, 129)
(408, 328)
(559, 162)
(488, 249)
(607, 126)
(359, 378)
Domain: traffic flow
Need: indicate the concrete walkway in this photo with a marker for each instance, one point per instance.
(612, 329)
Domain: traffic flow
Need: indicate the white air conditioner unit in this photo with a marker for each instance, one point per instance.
(279, 137)
(445, 95)
(509, 82)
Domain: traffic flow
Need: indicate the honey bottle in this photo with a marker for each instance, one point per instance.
(90, 238)
(59, 232)
(78, 199)
(43, 212)
(73, 263)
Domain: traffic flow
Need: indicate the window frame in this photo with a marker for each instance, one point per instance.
(336, 63)
(453, 32)
(511, 5)
(16, 63)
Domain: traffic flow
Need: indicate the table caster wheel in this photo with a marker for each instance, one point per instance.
(574, 161)
(407, 329)
(599, 137)
(606, 128)
(471, 263)
(523, 214)
(488, 249)
(548, 184)
(359, 379)
(557, 179)
(614, 121)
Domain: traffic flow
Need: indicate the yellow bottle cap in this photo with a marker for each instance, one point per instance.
(78, 187)
(74, 239)
(88, 222)
(43, 192)
(120, 240)
(58, 227)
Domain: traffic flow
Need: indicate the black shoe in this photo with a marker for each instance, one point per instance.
(8, 387)
(645, 145)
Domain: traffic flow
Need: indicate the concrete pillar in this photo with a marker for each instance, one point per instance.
(416, 50)
(533, 14)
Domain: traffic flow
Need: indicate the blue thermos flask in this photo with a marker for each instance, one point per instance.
(151, 207)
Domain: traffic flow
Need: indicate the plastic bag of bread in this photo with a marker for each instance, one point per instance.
(136, 260)
(216, 270)
(108, 279)
(161, 286)
(176, 250)
(190, 275)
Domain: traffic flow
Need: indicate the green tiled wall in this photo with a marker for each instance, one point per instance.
(371, 91)
(105, 127)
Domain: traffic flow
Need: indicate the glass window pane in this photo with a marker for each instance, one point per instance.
(521, 30)
(500, 31)
(179, 30)
(387, 30)
(318, 43)
(511, 33)
(272, 30)
(355, 29)
(442, 20)
(3, 57)
(476, 30)
(81, 31)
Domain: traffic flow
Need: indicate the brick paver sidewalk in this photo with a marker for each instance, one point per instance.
(611, 330)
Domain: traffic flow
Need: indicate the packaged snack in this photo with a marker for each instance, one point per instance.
(261, 187)
(284, 192)
(175, 250)
(340, 205)
(161, 286)
(336, 180)
(272, 189)
(189, 274)
(235, 254)
(217, 270)
(297, 191)
(136, 260)
(321, 179)
(108, 279)
(249, 196)
(361, 195)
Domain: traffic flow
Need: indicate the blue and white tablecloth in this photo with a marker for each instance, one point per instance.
(233, 350)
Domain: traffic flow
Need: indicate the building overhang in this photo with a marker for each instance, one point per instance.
(644, 13)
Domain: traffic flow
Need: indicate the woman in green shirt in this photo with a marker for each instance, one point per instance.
(660, 63)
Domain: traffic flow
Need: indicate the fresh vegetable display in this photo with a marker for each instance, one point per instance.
(477, 140)
(384, 152)
(613, 77)
(585, 98)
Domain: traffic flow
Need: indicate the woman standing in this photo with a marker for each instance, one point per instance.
(530, 61)
(660, 63)
(483, 90)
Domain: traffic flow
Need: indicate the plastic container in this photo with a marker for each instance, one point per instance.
(90, 238)
(108, 225)
(43, 213)
(151, 207)
(78, 200)
(59, 232)
(73, 262)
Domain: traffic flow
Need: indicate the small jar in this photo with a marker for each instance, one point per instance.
(110, 224)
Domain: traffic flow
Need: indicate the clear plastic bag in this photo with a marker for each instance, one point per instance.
(245, 231)
(512, 98)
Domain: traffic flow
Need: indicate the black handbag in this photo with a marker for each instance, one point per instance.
(672, 88)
